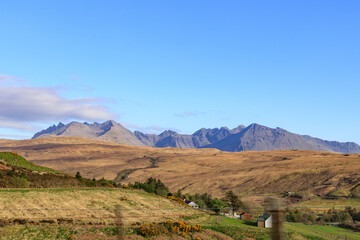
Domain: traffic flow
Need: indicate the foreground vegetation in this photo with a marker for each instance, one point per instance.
(90, 213)
(216, 227)
(81, 208)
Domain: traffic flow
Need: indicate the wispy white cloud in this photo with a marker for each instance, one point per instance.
(22, 126)
(21, 107)
(6, 79)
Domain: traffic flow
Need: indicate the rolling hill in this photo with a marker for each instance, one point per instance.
(198, 170)
(17, 172)
(255, 137)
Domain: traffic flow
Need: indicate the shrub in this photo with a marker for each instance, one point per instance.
(178, 227)
(19, 182)
(88, 182)
(11, 173)
(176, 199)
(149, 230)
(105, 183)
(78, 176)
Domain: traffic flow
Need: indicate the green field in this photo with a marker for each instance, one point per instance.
(319, 203)
(320, 232)
(13, 159)
(236, 229)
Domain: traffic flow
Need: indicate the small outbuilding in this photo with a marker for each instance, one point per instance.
(265, 221)
(191, 204)
(245, 216)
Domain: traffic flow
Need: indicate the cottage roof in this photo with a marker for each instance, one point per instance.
(264, 217)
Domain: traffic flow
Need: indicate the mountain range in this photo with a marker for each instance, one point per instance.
(254, 137)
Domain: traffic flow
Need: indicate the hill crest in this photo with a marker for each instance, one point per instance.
(254, 137)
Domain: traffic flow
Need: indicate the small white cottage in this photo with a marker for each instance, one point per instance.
(191, 204)
(265, 221)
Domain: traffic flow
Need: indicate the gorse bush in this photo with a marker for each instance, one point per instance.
(177, 227)
(177, 200)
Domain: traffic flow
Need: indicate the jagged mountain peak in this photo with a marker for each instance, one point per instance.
(109, 131)
(257, 126)
(224, 129)
(237, 129)
(254, 137)
(110, 122)
(168, 133)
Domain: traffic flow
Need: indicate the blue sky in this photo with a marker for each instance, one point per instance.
(181, 65)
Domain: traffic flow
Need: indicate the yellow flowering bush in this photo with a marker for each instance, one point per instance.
(177, 200)
(178, 227)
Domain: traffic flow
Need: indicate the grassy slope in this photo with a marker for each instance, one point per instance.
(100, 205)
(17, 172)
(13, 159)
(320, 232)
(87, 213)
(198, 170)
(328, 203)
(97, 207)
(239, 229)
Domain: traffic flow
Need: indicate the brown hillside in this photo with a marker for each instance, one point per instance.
(196, 170)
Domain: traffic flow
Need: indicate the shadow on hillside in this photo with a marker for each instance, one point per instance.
(250, 223)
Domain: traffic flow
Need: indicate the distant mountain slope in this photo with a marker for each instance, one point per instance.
(260, 138)
(348, 147)
(109, 131)
(200, 138)
(255, 137)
